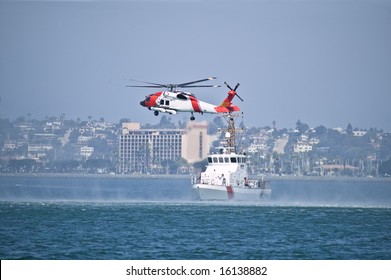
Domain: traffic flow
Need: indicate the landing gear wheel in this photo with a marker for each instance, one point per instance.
(156, 113)
(192, 118)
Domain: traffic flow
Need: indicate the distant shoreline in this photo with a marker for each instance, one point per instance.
(188, 177)
(329, 178)
(97, 176)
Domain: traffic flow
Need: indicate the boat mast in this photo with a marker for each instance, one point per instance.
(231, 131)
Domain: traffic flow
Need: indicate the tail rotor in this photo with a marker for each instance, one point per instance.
(237, 85)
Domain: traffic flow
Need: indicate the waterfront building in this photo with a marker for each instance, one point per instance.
(196, 141)
(83, 139)
(302, 148)
(86, 151)
(150, 150)
(147, 150)
(39, 152)
(359, 133)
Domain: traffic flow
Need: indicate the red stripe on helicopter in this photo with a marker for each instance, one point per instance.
(195, 104)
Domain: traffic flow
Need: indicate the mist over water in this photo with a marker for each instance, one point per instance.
(332, 193)
(100, 189)
(94, 189)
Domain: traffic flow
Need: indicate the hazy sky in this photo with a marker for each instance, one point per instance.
(323, 62)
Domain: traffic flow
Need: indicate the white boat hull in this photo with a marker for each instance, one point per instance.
(215, 192)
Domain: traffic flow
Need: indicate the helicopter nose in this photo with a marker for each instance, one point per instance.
(142, 103)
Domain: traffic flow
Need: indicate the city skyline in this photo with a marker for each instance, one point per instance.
(324, 63)
(58, 146)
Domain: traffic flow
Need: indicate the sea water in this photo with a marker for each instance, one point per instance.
(107, 218)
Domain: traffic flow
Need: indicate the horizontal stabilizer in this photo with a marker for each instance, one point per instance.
(222, 109)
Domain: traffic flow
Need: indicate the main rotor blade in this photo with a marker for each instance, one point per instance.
(200, 86)
(157, 85)
(145, 86)
(194, 82)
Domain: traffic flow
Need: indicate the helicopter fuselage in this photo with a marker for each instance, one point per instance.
(173, 102)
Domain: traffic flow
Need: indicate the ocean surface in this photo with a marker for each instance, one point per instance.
(110, 218)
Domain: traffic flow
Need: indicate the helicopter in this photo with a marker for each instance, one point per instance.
(173, 100)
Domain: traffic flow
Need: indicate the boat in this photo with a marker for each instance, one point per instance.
(226, 176)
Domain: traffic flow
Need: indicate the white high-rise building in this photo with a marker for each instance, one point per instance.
(148, 150)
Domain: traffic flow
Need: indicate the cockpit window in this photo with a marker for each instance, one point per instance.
(181, 96)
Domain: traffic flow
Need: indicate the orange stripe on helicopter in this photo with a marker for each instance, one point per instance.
(195, 104)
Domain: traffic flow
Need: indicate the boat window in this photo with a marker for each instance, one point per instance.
(233, 159)
(244, 160)
(239, 159)
(209, 159)
(226, 160)
(220, 159)
(214, 159)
